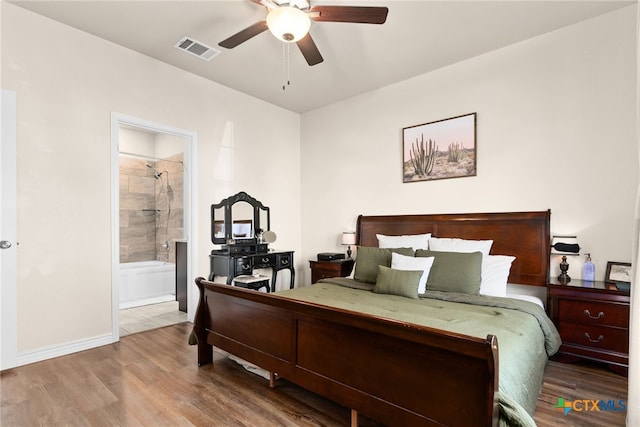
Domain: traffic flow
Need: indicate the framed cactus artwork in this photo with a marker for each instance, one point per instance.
(439, 150)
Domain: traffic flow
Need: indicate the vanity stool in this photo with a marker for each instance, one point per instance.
(252, 282)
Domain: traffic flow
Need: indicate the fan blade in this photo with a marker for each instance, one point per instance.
(309, 50)
(244, 35)
(357, 14)
(269, 4)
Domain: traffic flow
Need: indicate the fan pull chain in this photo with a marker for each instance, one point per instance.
(286, 64)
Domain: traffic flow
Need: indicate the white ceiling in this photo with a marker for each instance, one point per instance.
(418, 37)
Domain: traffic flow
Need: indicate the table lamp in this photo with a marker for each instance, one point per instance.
(564, 245)
(348, 239)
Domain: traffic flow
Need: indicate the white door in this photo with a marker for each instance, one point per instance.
(8, 233)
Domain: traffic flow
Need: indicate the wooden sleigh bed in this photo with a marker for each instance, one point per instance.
(393, 371)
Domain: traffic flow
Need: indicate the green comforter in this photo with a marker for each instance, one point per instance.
(526, 336)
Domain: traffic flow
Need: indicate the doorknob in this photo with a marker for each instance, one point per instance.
(5, 244)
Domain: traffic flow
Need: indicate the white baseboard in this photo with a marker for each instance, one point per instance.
(45, 353)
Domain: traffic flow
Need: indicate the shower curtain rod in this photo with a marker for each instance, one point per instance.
(150, 157)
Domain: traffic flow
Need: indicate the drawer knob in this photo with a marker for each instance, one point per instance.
(600, 338)
(285, 262)
(588, 314)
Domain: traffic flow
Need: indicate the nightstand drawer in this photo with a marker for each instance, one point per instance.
(322, 274)
(594, 313)
(328, 269)
(602, 338)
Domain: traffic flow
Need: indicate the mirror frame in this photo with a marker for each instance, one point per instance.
(227, 205)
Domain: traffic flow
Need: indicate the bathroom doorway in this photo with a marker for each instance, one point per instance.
(152, 215)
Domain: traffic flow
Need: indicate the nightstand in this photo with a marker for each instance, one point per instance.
(325, 269)
(593, 321)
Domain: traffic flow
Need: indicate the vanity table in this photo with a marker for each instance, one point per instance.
(232, 265)
(239, 224)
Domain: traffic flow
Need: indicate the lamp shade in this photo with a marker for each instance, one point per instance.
(565, 245)
(349, 238)
(288, 23)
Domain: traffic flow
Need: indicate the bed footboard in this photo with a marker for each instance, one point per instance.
(395, 372)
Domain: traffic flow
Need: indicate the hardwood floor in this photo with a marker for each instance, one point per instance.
(574, 382)
(152, 378)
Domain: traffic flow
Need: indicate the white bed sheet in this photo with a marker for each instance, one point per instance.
(523, 297)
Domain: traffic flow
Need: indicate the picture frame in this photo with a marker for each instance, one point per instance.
(440, 149)
(618, 273)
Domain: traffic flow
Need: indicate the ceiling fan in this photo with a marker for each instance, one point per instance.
(290, 21)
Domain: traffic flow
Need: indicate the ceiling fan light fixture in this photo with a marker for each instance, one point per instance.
(288, 23)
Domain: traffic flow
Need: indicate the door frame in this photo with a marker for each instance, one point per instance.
(190, 205)
(8, 231)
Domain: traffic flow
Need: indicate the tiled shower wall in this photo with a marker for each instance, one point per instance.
(151, 212)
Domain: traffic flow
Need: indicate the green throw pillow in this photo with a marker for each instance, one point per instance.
(454, 271)
(369, 258)
(403, 283)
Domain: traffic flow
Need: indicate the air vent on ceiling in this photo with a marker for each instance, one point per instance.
(196, 48)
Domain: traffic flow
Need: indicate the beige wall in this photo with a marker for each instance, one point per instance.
(556, 122)
(68, 83)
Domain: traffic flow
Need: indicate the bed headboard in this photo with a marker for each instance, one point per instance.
(524, 235)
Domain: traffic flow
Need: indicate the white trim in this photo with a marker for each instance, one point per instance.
(190, 207)
(50, 352)
(115, 230)
(8, 216)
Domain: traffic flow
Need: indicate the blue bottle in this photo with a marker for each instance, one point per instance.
(589, 270)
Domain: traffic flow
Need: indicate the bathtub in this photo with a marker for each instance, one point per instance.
(146, 282)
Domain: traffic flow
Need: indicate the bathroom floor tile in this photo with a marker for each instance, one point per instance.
(138, 319)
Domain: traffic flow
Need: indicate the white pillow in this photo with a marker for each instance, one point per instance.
(495, 273)
(460, 245)
(403, 262)
(415, 241)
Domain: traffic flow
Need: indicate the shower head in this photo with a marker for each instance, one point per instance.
(157, 174)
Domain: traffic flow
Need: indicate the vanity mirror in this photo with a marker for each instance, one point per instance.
(238, 219)
(241, 224)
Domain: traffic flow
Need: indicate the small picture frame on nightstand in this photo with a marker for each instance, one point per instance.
(618, 274)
